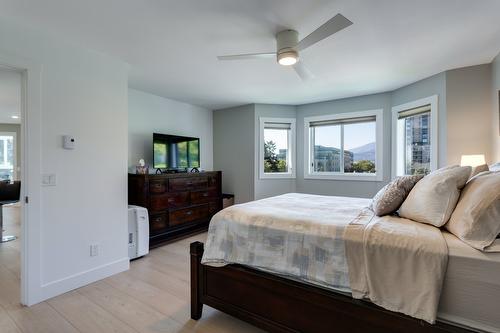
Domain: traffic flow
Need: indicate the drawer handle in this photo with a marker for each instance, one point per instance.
(158, 219)
(170, 200)
(157, 185)
(189, 183)
(205, 194)
(189, 212)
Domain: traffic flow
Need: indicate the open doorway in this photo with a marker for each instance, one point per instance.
(10, 176)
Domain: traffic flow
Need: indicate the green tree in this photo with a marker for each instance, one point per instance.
(271, 161)
(364, 166)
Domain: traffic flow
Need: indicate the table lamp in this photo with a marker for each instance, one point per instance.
(477, 163)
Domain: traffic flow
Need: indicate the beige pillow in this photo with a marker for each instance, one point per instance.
(476, 219)
(392, 195)
(433, 199)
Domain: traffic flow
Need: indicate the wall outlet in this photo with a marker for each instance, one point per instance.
(94, 250)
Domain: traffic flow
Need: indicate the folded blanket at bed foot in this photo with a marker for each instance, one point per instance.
(397, 264)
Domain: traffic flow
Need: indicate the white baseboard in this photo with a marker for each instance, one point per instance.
(61, 286)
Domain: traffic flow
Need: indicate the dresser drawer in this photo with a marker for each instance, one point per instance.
(169, 200)
(157, 187)
(213, 181)
(191, 183)
(157, 223)
(203, 196)
(186, 215)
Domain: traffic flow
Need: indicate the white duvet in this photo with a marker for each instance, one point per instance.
(305, 237)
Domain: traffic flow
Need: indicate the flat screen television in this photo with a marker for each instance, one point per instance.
(175, 152)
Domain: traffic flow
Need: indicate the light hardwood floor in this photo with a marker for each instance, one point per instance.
(153, 296)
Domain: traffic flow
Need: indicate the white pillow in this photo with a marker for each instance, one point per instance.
(476, 219)
(433, 199)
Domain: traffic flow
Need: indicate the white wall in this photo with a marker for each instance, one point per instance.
(468, 110)
(84, 94)
(495, 133)
(150, 114)
(264, 188)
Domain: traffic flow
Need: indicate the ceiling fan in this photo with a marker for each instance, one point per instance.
(288, 45)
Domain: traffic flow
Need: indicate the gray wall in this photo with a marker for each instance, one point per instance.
(17, 129)
(495, 133)
(341, 187)
(464, 104)
(434, 85)
(264, 188)
(234, 145)
(468, 110)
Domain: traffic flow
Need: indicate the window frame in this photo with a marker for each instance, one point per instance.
(291, 174)
(398, 146)
(379, 143)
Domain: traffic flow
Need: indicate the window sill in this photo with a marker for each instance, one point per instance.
(277, 176)
(350, 177)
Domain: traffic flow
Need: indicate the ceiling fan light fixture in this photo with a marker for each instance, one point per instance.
(288, 58)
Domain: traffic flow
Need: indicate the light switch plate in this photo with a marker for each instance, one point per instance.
(49, 179)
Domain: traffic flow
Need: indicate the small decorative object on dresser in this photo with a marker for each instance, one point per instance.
(179, 204)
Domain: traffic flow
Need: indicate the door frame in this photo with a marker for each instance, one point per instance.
(31, 71)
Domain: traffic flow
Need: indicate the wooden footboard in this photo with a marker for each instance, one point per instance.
(276, 304)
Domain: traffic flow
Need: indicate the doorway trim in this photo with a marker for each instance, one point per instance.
(31, 282)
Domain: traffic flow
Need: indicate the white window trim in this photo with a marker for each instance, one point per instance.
(379, 137)
(291, 140)
(398, 146)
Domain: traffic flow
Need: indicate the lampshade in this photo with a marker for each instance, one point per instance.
(472, 160)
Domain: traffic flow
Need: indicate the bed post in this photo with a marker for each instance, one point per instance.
(196, 250)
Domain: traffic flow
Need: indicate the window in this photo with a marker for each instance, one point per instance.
(277, 145)
(344, 146)
(415, 134)
(7, 156)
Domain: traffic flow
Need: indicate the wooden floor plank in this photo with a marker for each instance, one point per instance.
(40, 318)
(136, 314)
(7, 324)
(87, 316)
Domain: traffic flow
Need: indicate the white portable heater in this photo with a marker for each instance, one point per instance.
(138, 232)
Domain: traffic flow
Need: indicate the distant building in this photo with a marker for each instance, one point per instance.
(327, 159)
(418, 149)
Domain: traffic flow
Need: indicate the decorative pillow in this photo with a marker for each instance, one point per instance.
(433, 199)
(478, 169)
(392, 195)
(476, 219)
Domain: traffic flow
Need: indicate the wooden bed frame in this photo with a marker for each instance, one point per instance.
(276, 304)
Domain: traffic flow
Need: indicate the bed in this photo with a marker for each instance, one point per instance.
(317, 298)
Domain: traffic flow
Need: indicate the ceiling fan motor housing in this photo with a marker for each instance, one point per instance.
(286, 41)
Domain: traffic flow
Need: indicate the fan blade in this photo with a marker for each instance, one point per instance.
(247, 56)
(302, 71)
(333, 25)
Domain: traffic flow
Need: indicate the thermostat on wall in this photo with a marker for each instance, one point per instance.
(68, 142)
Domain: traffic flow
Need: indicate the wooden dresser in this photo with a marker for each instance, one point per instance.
(178, 204)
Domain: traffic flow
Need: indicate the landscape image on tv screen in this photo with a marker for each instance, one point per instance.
(175, 152)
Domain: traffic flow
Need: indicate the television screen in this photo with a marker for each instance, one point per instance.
(175, 152)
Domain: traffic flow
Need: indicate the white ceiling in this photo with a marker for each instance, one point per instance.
(172, 44)
(10, 96)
